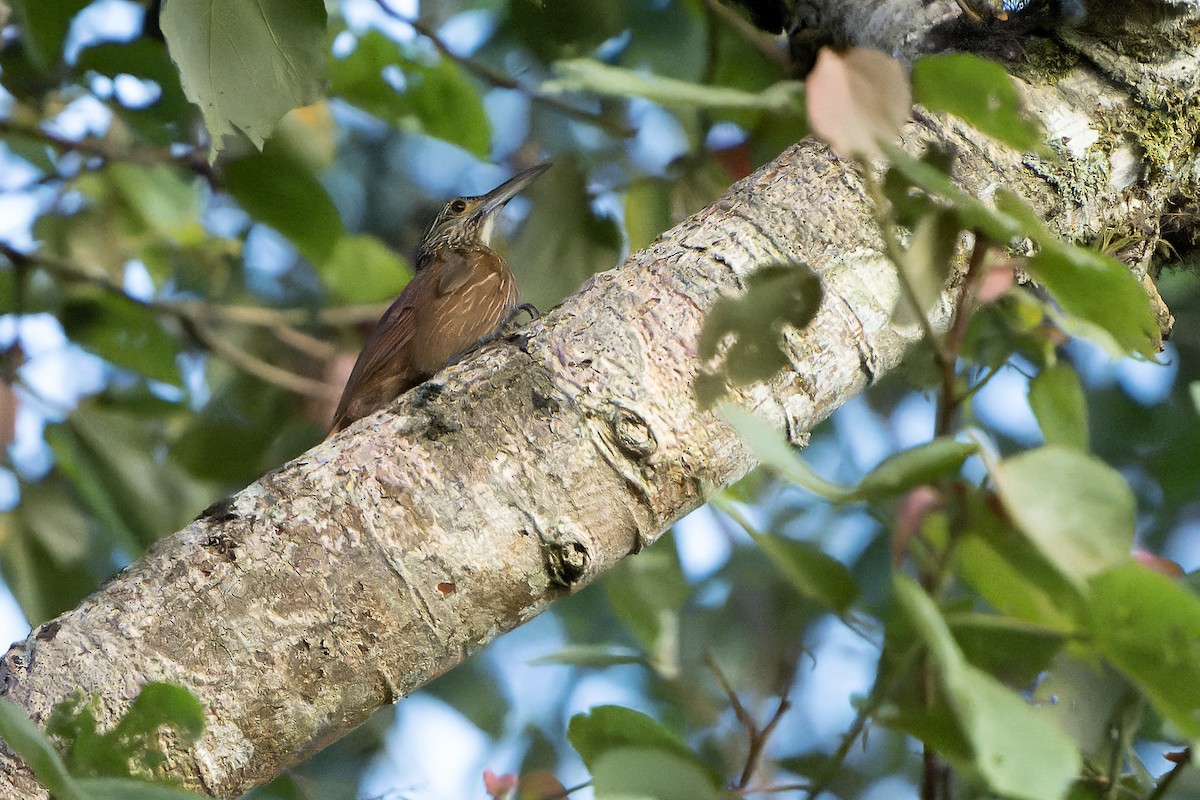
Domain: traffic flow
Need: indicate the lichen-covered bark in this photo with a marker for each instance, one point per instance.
(382, 557)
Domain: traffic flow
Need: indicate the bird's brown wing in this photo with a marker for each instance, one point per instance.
(455, 267)
(364, 391)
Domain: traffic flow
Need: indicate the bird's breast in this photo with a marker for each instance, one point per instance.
(475, 308)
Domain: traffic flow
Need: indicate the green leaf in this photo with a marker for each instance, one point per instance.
(566, 27)
(44, 27)
(917, 466)
(436, 99)
(123, 332)
(978, 91)
(927, 262)
(135, 742)
(1077, 510)
(636, 773)
(109, 457)
(607, 728)
(277, 188)
(246, 64)
(591, 656)
(813, 573)
(1101, 291)
(1056, 397)
(593, 77)
(31, 744)
(43, 587)
(1095, 288)
(1013, 576)
(163, 199)
(1013, 651)
(362, 269)
(130, 789)
(161, 704)
(774, 451)
(647, 593)
(1018, 750)
(775, 295)
(50, 514)
(1148, 626)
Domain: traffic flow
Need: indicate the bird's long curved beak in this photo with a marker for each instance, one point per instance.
(495, 199)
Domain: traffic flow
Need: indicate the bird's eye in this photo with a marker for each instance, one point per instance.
(458, 206)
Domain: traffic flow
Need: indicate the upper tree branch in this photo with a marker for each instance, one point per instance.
(380, 558)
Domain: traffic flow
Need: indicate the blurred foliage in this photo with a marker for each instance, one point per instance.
(216, 263)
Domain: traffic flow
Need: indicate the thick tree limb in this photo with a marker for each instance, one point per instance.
(381, 558)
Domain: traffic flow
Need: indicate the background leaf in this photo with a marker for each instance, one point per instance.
(246, 64)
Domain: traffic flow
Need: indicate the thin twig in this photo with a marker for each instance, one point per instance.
(502, 81)
(194, 324)
(193, 158)
(567, 792)
(949, 399)
(263, 370)
(783, 787)
(757, 737)
(879, 692)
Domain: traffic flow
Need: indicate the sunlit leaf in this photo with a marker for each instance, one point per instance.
(774, 451)
(638, 773)
(31, 744)
(165, 200)
(246, 64)
(607, 728)
(1018, 750)
(276, 188)
(1149, 627)
(1077, 510)
(589, 75)
(1056, 397)
(978, 91)
(591, 656)
(362, 269)
(434, 96)
(813, 573)
(907, 469)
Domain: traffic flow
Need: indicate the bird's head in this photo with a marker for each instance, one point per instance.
(466, 221)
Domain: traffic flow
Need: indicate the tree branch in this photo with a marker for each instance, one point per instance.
(347, 578)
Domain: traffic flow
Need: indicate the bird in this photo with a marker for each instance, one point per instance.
(461, 292)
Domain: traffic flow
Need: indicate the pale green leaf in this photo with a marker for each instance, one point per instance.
(362, 269)
(976, 90)
(1077, 510)
(775, 452)
(246, 63)
(31, 744)
(1056, 397)
(1149, 627)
